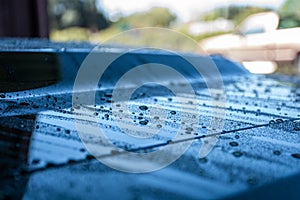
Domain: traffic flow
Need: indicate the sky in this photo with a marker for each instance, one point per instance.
(185, 9)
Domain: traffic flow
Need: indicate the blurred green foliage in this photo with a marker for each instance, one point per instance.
(290, 8)
(155, 17)
(69, 13)
(289, 14)
(235, 13)
(71, 34)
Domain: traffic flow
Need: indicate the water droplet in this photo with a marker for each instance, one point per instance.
(143, 108)
(173, 112)
(50, 165)
(141, 94)
(277, 153)
(2, 95)
(24, 104)
(108, 95)
(114, 152)
(144, 122)
(233, 144)
(296, 126)
(70, 161)
(67, 131)
(77, 107)
(279, 120)
(237, 154)
(156, 117)
(271, 122)
(189, 129)
(35, 161)
(203, 160)
(159, 126)
(296, 155)
(89, 157)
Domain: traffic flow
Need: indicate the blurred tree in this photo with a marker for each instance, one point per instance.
(83, 13)
(235, 13)
(289, 14)
(290, 8)
(247, 11)
(155, 17)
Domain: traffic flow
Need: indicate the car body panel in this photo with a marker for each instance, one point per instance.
(43, 156)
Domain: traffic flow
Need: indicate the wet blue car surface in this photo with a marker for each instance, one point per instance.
(43, 157)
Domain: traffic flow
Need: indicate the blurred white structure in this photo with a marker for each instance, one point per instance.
(258, 39)
(219, 25)
(260, 67)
